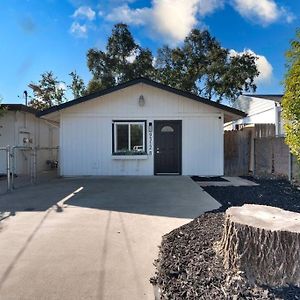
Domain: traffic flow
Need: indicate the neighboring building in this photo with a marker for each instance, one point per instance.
(260, 109)
(141, 128)
(19, 126)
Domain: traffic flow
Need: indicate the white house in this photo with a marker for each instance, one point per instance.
(260, 109)
(141, 128)
(19, 126)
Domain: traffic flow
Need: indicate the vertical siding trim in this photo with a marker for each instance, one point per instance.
(113, 137)
(61, 148)
(222, 145)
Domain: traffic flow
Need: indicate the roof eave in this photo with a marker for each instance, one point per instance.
(19, 107)
(188, 95)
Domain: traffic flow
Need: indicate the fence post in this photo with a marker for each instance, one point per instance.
(254, 156)
(290, 166)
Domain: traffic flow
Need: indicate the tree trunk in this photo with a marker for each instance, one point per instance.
(264, 243)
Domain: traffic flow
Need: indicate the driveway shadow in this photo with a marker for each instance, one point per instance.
(170, 196)
(39, 197)
(177, 197)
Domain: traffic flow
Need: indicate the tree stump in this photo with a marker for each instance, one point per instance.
(264, 243)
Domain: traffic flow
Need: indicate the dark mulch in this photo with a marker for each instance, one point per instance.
(201, 178)
(279, 193)
(188, 266)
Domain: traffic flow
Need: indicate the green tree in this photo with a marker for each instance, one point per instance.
(77, 85)
(47, 93)
(123, 60)
(291, 98)
(203, 67)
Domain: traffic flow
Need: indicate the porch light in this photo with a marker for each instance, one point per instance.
(141, 101)
(150, 127)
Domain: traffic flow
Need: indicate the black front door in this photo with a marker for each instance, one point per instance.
(167, 147)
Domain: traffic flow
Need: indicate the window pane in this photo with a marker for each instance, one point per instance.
(136, 132)
(122, 137)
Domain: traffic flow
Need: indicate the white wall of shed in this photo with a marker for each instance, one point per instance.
(86, 133)
(259, 111)
(14, 126)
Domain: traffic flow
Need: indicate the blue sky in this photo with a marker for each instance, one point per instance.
(38, 36)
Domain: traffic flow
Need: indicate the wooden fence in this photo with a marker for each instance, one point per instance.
(264, 130)
(271, 157)
(257, 150)
(237, 152)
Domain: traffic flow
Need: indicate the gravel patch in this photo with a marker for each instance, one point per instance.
(188, 266)
(278, 193)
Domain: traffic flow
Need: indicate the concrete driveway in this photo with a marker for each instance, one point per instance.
(91, 238)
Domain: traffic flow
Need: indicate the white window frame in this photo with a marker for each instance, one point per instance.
(129, 123)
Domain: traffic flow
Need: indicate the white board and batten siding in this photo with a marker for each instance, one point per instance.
(259, 111)
(86, 133)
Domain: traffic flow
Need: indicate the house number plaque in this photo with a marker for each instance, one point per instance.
(150, 138)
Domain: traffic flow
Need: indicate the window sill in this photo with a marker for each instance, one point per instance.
(130, 157)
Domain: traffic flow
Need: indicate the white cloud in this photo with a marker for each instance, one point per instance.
(84, 12)
(131, 58)
(61, 85)
(263, 65)
(154, 61)
(262, 11)
(79, 30)
(124, 13)
(173, 19)
(206, 7)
